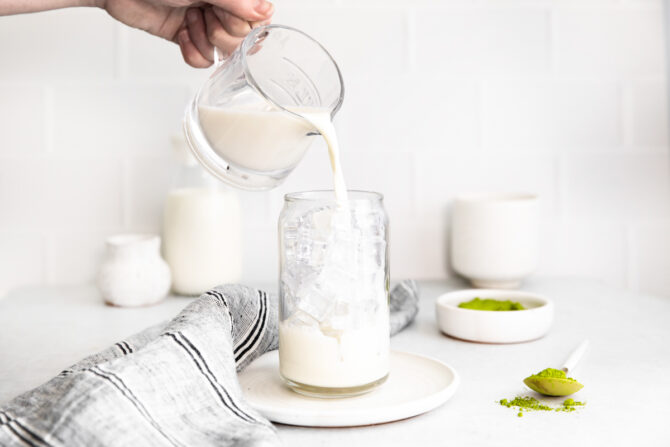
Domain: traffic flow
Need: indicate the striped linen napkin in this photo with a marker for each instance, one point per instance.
(173, 384)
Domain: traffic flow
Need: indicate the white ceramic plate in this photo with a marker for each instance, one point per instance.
(494, 327)
(416, 384)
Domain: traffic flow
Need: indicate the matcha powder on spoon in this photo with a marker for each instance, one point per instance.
(528, 403)
(551, 372)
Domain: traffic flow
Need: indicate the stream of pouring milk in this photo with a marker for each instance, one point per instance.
(320, 119)
(267, 140)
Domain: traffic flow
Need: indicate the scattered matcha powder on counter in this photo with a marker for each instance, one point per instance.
(570, 404)
(528, 403)
(491, 305)
(525, 402)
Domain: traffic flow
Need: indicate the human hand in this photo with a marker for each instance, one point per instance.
(197, 27)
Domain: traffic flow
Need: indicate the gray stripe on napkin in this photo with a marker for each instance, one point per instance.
(173, 384)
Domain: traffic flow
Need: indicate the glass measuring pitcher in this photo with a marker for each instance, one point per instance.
(244, 125)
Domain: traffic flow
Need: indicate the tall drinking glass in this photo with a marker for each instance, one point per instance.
(334, 292)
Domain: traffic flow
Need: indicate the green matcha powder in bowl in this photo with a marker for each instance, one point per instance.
(494, 316)
(491, 305)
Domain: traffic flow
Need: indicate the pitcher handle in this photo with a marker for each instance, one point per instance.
(218, 58)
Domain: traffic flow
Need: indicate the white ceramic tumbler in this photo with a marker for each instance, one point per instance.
(494, 238)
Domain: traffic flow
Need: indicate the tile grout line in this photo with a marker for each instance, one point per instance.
(561, 189)
(630, 255)
(47, 271)
(626, 115)
(413, 189)
(124, 197)
(120, 52)
(483, 142)
(558, 189)
(48, 119)
(411, 40)
(552, 43)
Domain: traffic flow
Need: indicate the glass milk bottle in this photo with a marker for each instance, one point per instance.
(333, 293)
(201, 229)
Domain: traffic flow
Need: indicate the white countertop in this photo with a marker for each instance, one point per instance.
(626, 372)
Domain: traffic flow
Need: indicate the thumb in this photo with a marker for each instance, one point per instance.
(249, 10)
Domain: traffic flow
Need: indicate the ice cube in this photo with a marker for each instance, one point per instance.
(291, 279)
(333, 266)
(343, 250)
(340, 220)
(301, 319)
(334, 327)
(373, 255)
(315, 301)
(322, 220)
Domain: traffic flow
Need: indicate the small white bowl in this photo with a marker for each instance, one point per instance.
(491, 326)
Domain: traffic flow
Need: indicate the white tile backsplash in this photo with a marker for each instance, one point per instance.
(149, 59)
(418, 250)
(74, 257)
(441, 176)
(649, 111)
(408, 114)
(565, 115)
(23, 105)
(393, 179)
(23, 195)
(595, 248)
(82, 194)
(651, 257)
(624, 41)
(146, 184)
(21, 259)
(563, 98)
(620, 187)
(360, 48)
(117, 118)
(68, 44)
(495, 41)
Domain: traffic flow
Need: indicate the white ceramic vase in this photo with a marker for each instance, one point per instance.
(132, 272)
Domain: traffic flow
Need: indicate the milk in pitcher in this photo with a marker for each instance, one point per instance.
(258, 138)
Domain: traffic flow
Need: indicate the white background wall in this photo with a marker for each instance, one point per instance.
(566, 98)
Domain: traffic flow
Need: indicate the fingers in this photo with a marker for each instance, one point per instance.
(211, 26)
(191, 55)
(218, 36)
(233, 25)
(248, 10)
(260, 23)
(198, 33)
